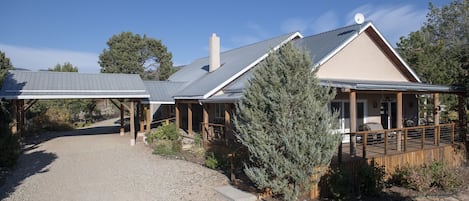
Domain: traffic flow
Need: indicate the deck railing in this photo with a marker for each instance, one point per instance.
(391, 141)
(212, 132)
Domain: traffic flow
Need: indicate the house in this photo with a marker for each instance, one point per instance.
(374, 84)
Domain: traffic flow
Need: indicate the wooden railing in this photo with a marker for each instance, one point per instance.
(212, 132)
(390, 141)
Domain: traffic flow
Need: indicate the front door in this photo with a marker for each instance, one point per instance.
(388, 114)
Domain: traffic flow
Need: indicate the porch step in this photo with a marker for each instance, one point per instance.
(234, 194)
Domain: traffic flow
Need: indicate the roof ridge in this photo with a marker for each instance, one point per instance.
(265, 40)
(326, 32)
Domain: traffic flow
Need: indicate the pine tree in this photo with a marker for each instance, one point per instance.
(284, 121)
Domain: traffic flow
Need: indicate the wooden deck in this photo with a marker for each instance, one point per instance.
(407, 146)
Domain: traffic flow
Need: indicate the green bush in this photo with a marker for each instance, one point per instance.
(211, 161)
(165, 132)
(339, 180)
(371, 179)
(10, 150)
(166, 140)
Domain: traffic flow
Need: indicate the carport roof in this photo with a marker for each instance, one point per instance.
(68, 85)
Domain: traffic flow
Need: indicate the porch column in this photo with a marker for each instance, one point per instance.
(178, 116)
(148, 118)
(121, 129)
(14, 117)
(189, 118)
(21, 118)
(436, 116)
(462, 118)
(399, 120)
(353, 123)
(205, 126)
(228, 133)
(140, 118)
(132, 124)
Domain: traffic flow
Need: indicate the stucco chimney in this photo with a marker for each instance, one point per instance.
(214, 52)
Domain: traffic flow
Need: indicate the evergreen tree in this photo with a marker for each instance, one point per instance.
(284, 121)
(134, 54)
(66, 67)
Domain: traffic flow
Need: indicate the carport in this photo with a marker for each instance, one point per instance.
(126, 92)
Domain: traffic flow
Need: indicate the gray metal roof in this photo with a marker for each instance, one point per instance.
(322, 45)
(200, 83)
(364, 85)
(66, 85)
(162, 92)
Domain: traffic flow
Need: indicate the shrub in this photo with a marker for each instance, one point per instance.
(10, 150)
(339, 180)
(211, 161)
(371, 179)
(166, 140)
(427, 177)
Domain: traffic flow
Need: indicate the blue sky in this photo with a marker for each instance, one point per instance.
(39, 34)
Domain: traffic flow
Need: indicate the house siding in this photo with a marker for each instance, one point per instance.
(362, 59)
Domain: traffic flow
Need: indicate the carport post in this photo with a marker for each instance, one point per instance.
(14, 112)
(132, 123)
(148, 118)
(121, 129)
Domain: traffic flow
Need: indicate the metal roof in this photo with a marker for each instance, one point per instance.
(201, 84)
(67, 85)
(162, 92)
(364, 85)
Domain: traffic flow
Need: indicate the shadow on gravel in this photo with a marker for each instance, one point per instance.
(28, 165)
(32, 141)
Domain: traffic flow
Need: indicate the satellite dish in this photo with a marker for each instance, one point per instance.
(359, 18)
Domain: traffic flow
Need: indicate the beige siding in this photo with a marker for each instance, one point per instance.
(362, 59)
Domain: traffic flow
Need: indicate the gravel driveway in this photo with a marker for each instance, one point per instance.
(98, 164)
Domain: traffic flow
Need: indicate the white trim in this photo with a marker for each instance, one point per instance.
(395, 53)
(338, 49)
(75, 91)
(160, 102)
(216, 89)
(19, 97)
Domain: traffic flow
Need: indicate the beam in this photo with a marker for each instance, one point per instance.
(399, 119)
(14, 116)
(132, 124)
(121, 129)
(148, 118)
(353, 123)
(21, 118)
(29, 104)
(189, 118)
(205, 126)
(228, 133)
(436, 116)
(140, 118)
(178, 116)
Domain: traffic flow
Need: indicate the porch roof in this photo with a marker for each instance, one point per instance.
(68, 85)
(365, 85)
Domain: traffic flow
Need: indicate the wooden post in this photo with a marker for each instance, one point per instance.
(353, 123)
(385, 142)
(462, 118)
(205, 126)
(436, 115)
(121, 129)
(132, 124)
(178, 116)
(228, 133)
(140, 118)
(21, 120)
(14, 117)
(406, 134)
(189, 118)
(148, 118)
(423, 137)
(364, 136)
(399, 121)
